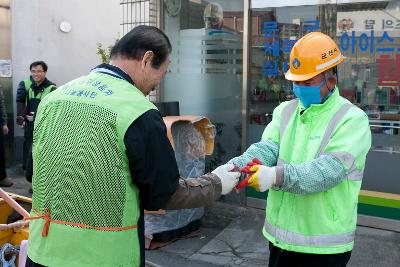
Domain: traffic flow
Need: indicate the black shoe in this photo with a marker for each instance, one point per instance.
(6, 182)
(30, 190)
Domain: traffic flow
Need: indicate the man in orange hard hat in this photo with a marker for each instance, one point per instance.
(313, 156)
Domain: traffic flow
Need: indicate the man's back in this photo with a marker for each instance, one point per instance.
(81, 175)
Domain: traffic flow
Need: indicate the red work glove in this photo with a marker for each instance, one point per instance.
(247, 170)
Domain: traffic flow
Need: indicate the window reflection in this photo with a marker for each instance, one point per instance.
(205, 74)
(368, 34)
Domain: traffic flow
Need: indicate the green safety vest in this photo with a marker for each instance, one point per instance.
(81, 177)
(324, 222)
(40, 95)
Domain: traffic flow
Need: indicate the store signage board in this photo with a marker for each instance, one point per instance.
(284, 3)
(382, 22)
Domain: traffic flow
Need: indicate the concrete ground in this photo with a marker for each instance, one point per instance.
(21, 185)
(231, 236)
(241, 244)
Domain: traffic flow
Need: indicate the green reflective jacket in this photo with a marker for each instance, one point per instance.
(321, 222)
(40, 95)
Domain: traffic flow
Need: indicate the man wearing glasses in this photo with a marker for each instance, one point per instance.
(29, 94)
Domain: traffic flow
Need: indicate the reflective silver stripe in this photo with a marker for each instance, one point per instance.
(345, 157)
(355, 175)
(286, 114)
(281, 162)
(303, 240)
(349, 160)
(329, 63)
(332, 125)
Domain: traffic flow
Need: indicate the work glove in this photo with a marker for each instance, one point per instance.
(29, 117)
(229, 178)
(263, 178)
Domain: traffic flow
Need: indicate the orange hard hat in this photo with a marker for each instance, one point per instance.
(311, 55)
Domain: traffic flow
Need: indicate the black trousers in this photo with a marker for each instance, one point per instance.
(27, 156)
(3, 174)
(283, 258)
(30, 263)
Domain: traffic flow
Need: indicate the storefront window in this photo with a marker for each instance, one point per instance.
(368, 34)
(205, 73)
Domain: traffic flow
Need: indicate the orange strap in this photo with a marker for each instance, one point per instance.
(47, 219)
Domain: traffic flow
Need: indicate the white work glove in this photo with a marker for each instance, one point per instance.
(263, 178)
(228, 177)
(29, 117)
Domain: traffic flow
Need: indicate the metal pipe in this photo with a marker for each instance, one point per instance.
(246, 74)
(13, 203)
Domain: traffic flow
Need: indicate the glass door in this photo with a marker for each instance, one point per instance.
(205, 74)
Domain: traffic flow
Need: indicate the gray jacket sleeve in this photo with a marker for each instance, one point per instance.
(3, 110)
(195, 192)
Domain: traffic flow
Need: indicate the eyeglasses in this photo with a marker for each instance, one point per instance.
(36, 71)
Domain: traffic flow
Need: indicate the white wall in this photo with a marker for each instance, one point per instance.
(35, 35)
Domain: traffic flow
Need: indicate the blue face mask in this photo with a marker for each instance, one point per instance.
(308, 94)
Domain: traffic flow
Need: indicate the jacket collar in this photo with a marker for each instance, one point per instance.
(113, 71)
(317, 109)
(39, 88)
